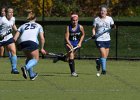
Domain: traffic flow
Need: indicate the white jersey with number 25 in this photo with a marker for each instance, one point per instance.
(101, 25)
(29, 32)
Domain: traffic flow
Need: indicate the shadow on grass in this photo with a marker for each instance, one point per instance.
(46, 75)
(51, 74)
(12, 80)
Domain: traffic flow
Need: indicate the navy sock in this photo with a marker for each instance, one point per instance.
(72, 65)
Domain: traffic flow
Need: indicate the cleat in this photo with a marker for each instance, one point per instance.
(97, 64)
(34, 77)
(74, 74)
(24, 72)
(103, 73)
(15, 71)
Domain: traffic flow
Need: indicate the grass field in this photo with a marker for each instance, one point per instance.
(54, 82)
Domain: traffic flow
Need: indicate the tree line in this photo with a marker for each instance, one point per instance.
(63, 8)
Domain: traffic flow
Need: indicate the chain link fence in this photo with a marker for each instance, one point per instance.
(125, 39)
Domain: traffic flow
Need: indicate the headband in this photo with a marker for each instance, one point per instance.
(74, 15)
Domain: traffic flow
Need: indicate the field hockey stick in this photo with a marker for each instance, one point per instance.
(88, 39)
(61, 55)
(96, 36)
(99, 34)
(64, 56)
(50, 54)
(54, 54)
(71, 50)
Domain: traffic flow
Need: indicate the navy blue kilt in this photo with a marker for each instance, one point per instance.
(5, 43)
(102, 44)
(28, 45)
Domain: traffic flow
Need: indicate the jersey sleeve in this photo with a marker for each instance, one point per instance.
(41, 29)
(94, 22)
(20, 29)
(13, 19)
(1, 21)
(111, 21)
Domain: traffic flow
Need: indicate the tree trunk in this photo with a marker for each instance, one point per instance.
(108, 3)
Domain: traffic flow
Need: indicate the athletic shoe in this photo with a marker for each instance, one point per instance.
(74, 74)
(97, 64)
(34, 77)
(103, 73)
(15, 71)
(24, 72)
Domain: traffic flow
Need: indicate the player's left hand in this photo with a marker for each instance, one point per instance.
(79, 45)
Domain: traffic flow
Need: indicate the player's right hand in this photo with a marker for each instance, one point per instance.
(43, 52)
(93, 36)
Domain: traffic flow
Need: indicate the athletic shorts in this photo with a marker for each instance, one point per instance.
(28, 46)
(74, 43)
(102, 44)
(5, 43)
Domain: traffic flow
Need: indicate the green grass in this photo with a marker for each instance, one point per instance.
(55, 83)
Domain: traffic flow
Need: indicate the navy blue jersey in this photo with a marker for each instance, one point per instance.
(74, 34)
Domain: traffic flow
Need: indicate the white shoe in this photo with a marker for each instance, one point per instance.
(74, 74)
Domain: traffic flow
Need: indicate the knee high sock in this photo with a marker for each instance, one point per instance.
(10, 57)
(30, 71)
(31, 63)
(13, 60)
(29, 66)
(72, 65)
(103, 63)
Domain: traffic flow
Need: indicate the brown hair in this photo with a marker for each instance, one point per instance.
(31, 15)
(103, 6)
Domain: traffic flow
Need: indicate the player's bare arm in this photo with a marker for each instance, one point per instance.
(16, 36)
(42, 39)
(67, 38)
(93, 31)
(82, 37)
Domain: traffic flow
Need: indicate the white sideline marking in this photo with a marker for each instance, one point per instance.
(110, 90)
